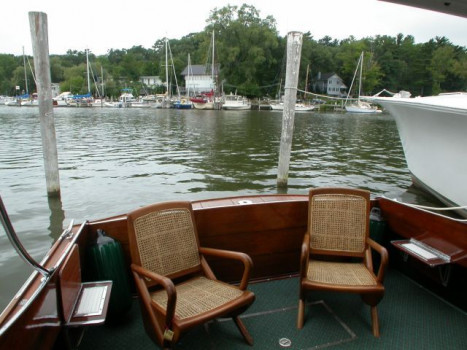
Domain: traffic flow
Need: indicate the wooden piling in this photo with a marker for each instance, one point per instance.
(294, 50)
(40, 46)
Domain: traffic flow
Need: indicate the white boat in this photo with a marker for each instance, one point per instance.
(127, 100)
(433, 134)
(362, 107)
(299, 107)
(203, 105)
(13, 102)
(154, 101)
(98, 102)
(30, 103)
(359, 106)
(236, 102)
(4, 100)
(62, 99)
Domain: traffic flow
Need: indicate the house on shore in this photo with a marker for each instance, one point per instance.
(151, 81)
(201, 78)
(330, 84)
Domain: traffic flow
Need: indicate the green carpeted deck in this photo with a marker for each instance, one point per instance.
(410, 318)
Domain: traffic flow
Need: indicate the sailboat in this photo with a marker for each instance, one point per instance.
(207, 100)
(83, 100)
(23, 99)
(299, 107)
(182, 102)
(359, 106)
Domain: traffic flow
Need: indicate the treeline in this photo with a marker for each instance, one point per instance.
(252, 58)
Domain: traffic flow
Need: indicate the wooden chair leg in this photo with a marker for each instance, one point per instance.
(241, 327)
(301, 313)
(375, 321)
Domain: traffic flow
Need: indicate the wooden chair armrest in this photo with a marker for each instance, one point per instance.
(305, 255)
(168, 286)
(229, 254)
(384, 258)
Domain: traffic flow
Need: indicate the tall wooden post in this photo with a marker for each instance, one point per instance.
(294, 50)
(40, 47)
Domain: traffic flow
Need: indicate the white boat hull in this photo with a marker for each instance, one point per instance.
(298, 107)
(433, 134)
(236, 102)
(203, 105)
(362, 108)
(236, 107)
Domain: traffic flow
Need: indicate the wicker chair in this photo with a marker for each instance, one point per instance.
(336, 251)
(178, 290)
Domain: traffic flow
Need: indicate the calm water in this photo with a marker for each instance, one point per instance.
(115, 160)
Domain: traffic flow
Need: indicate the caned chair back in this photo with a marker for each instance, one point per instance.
(164, 239)
(338, 221)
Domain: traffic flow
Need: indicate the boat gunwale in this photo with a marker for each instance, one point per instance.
(36, 282)
(418, 103)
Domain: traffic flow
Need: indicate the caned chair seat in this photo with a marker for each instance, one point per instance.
(198, 296)
(340, 273)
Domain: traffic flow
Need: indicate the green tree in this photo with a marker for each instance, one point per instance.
(252, 58)
(8, 63)
(246, 48)
(442, 62)
(75, 79)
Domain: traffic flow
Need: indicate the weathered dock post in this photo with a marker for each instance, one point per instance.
(294, 50)
(40, 47)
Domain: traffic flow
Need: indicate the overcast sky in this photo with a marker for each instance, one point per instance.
(103, 25)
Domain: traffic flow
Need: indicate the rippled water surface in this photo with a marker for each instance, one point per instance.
(114, 160)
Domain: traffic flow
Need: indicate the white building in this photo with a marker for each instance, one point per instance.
(200, 78)
(151, 81)
(330, 84)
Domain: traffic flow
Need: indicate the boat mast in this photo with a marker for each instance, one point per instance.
(212, 65)
(189, 80)
(166, 67)
(87, 70)
(25, 73)
(359, 64)
(102, 82)
(360, 79)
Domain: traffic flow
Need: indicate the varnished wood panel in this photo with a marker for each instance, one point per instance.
(446, 235)
(270, 233)
(270, 230)
(70, 283)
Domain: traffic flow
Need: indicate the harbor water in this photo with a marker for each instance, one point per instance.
(115, 160)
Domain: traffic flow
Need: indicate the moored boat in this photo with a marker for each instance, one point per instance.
(270, 231)
(432, 131)
(359, 106)
(62, 99)
(236, 102)
(182, 103)
(362, 107)
(5, 99)
(16, 101)
(203, 105)
(204, 101)
(299, 107)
